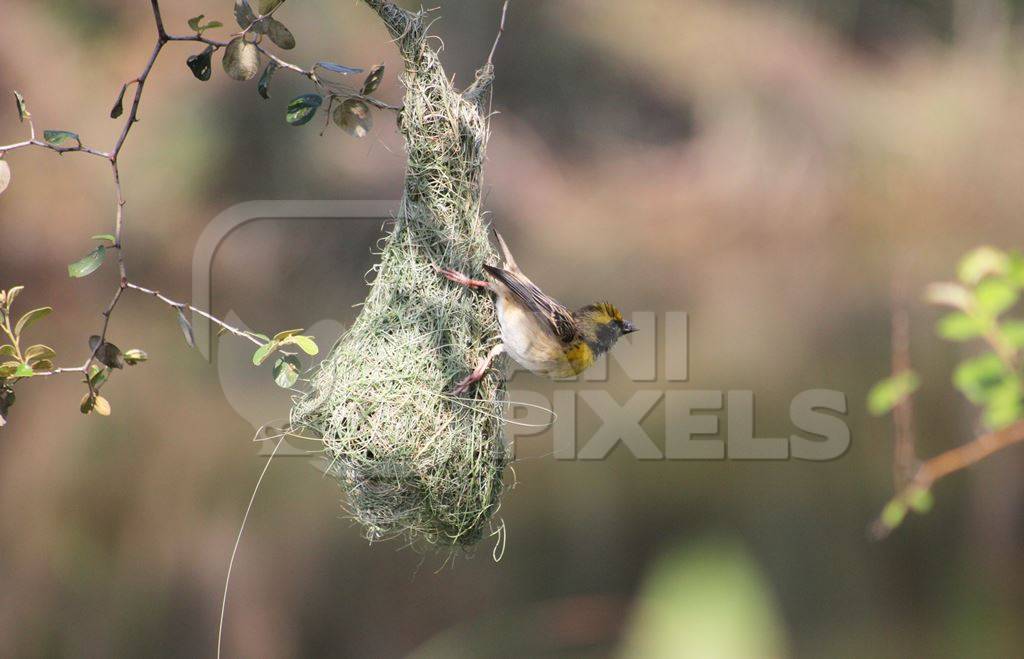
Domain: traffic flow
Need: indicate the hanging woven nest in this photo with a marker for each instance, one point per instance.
(414, 460)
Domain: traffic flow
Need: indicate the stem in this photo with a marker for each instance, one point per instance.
(953, 461)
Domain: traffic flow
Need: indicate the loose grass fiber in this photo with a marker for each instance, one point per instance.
(413, 460)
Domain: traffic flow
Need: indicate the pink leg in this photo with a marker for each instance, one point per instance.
(481, 368)
(461, 279)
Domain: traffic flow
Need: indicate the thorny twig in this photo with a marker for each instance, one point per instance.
(163, 38)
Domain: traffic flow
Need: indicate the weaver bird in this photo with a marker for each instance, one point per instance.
(537, 331)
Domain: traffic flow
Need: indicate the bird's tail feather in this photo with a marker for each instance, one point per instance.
(506, 255)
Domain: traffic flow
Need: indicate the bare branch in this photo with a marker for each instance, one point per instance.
(501, 30)
(951, 462)
(904, 458)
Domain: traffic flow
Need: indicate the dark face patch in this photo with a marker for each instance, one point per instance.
(607, 335)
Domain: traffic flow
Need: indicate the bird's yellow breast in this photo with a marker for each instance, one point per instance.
(534, 347)
(580, 357)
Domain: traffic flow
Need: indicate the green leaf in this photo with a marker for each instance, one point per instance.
(244, 14)
(893, 514)
(6, 350)
(201, 65)
(1013, 332)
(88, 264)
(979, 377)
(921, 501)
(31, 317)
(302, 109)
(135, 356)
(263, 352)
(948, 294)
(373, 80)
(118, 108)
(241, 59)
(7, 370)
(99, 376)
(87, 404)
(337, 68)
(5, 175)
(263, 86)
(958, 326)
(994, 296)
(353, 116)
(267, 6)
(39, 353)
(59, 137)
(280, 34)
(23, 112)
(12, 294)
(102, 406)
(888, 393)
(195, 21)
(1004, 404)
(186, 328)
(23, 371)
(106, 353)
(981, 262)
(286, 371)
(281, 336)
(1015, 269)
(105, 236)
(306, 343)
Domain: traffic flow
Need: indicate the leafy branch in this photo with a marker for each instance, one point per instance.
(241, 61)
(990, 283)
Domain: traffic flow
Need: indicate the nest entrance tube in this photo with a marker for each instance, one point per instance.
(413, 460)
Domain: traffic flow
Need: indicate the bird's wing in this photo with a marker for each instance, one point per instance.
(555, 317)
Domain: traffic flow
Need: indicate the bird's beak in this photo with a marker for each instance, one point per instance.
(628, 327)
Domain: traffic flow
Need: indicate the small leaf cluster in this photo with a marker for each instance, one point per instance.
(15, 361)
(347, 107)
(18, 362)
(989, 284)
(287, 366)
(107, 358)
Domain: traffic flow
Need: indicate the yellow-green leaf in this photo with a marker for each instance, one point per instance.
(31, 317)
(102, 406)
(958, 326)
(981, 262)
(888, 393)
(263, 352)
(306, 343)
(994, 296)
(38, 353)
(281, 336)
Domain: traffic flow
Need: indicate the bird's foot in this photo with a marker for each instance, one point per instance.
(459, 278)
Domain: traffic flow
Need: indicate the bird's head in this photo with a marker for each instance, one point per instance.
(602, 325)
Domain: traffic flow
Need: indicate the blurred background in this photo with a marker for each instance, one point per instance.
(766, 166)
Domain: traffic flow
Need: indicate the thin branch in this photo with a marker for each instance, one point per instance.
(182, 305)
(951, 462)
(904, 458)
(501, 31)
(392, 15)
